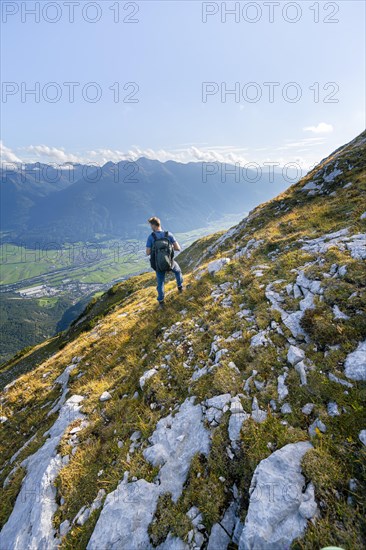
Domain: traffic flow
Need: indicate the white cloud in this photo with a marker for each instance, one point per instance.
(322, 128)
(51, 153)
(7, 155)
(229, 154)
(219, 153)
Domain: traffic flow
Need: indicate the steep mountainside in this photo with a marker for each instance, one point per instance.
(24, 323)
(22, 186)
(235, 418)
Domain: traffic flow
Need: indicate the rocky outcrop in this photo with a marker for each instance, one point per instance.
(30, 523)
(174, 442)
(355, 364)
(279, 508)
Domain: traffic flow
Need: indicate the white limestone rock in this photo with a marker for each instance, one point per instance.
(194, 515)
(362, 436)
(135, 435)
(232, 366)
(199, 373)
(148, 374)
(317, 424)
(172, 543)
(187, 421)
(259, 385)
(214, 347)
(105, 396)
(307, 302)
(237, 417)
(64, 528)
(227, 302)
(75, 430)
(310, 186)
(219, 538)
(278, 508)
(295, 355)
(355, 363)
(301, 370)
(338, 314)
(136, 501)
(221, 532)
(199, 539)
(308, 285)
(286, 408)
(248, 249)
(219, 354)
(332, 175)
(216, 265)
(238, 529)
(292, 322)
(309, 508)
(248, 381)
(258, 414)
(216, 407)
(321, 244)
(213, 416)
(297, 292)
(30, 523)
(333, 378)
(218, 401)
(332, 409)
(282, 389)
(63, 381)
(308, 408)
(82, 516)
(235, 405)
(260, 339)
(357, 246)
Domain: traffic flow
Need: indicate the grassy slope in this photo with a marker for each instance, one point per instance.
(23, 329)
(116, 350)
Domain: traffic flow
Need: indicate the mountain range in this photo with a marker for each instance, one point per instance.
(41, 204)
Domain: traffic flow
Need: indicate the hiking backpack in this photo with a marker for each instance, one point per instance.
(162, 253)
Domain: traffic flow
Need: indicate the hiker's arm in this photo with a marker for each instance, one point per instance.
(176, 245)
(148, 251)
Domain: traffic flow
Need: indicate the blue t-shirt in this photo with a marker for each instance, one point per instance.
(159, 235)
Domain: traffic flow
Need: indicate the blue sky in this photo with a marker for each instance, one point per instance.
(169, 52)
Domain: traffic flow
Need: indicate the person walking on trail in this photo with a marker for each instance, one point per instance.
(160, 247)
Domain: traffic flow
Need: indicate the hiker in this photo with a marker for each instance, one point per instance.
(160, 247)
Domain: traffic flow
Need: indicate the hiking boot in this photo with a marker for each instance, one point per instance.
(180, 289)
(161, 304)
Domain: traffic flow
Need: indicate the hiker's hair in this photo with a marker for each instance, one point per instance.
(154, 221)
